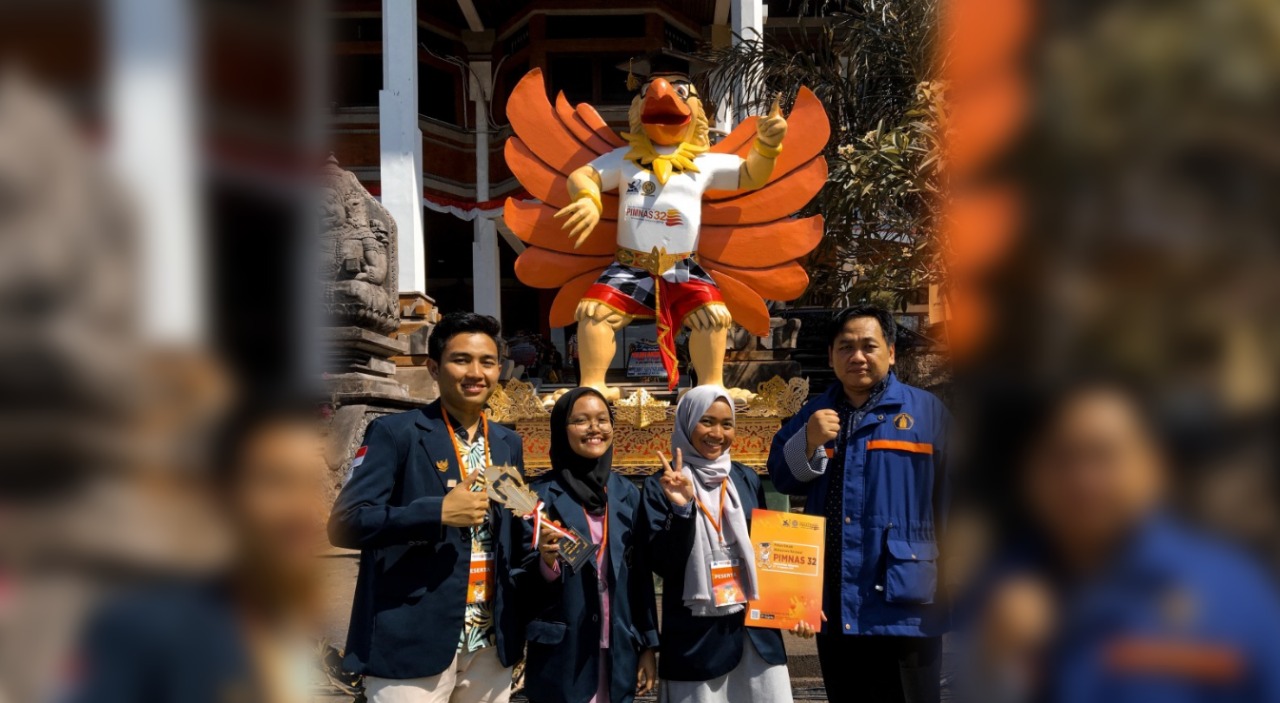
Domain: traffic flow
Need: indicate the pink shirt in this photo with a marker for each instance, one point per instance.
(551, 573)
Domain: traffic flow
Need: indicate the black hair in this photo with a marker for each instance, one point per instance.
(881, 314)
(247, 419)
(456, 323)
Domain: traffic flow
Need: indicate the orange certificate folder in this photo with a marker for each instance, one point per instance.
(788, 550)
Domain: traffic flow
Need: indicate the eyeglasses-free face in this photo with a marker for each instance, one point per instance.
(589, 428)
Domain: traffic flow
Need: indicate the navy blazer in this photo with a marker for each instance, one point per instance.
(699, 648)
(411, 593)
(563, 664)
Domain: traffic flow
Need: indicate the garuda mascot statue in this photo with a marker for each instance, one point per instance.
(657, 223)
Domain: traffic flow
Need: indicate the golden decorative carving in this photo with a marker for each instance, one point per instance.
(641, 409)
(778, 398)
(635, 449)
(514, 402)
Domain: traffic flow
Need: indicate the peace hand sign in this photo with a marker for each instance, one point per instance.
(677, 486)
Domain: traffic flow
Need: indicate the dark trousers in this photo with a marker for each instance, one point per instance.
(880, 669)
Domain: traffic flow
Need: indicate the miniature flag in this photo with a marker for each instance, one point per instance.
(359, 458)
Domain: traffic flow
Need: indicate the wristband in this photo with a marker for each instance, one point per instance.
(768, 152)
(594, 197)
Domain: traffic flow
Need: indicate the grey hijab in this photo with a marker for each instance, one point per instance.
(708, 475)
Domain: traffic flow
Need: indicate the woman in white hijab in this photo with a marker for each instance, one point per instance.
(698, 512)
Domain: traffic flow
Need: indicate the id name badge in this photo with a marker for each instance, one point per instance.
(480, 584)
(726, 582)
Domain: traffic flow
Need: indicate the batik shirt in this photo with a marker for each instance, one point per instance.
(477, 628)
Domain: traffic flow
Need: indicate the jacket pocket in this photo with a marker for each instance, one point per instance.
(911, 572)
(543, 632)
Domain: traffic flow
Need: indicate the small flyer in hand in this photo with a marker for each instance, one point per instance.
(508, 488)
(788, 550)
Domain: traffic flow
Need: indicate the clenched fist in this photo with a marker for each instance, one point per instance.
(823, 426)
(463, 507)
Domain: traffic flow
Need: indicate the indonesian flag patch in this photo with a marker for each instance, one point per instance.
(359, 457)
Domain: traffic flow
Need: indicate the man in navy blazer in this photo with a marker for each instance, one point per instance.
(434, 617)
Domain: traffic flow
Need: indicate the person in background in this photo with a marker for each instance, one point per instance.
(416, 508)
(870, 455)
(571, 349)
(1149, 609)
(247, 632)
(595, 630)
(698, 514)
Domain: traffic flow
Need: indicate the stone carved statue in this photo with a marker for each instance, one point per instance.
(359, 255)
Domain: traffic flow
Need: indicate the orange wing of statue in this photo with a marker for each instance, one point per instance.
(749, 242)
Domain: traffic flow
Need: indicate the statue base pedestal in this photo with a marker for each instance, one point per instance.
(748, 369)
(418, 315)
(360, 366)
(363, 382)
(643, 425)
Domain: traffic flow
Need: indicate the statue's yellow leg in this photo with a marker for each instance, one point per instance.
(598, 325)
(708, 337)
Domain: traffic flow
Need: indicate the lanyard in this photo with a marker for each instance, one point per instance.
(718, 524)
(453, 438)
(604, 536)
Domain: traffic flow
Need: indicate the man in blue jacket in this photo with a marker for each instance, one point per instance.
(869, 455)
(434, 617)
(1149, 608)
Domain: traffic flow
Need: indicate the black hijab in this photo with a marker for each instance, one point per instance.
(583, 478)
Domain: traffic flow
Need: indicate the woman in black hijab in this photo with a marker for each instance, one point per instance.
(594, 632)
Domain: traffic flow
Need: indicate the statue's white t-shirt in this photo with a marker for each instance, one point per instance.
(651, 214)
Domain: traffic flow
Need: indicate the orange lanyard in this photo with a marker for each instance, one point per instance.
(453, 438)
(604, 536)
(718, 524)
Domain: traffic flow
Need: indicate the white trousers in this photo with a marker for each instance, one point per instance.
(473, 677)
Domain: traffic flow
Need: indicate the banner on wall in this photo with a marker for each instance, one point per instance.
(644, 360)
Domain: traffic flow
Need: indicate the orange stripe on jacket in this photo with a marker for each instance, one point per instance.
(915, 447)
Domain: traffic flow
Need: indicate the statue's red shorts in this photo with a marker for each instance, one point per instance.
(636, 292)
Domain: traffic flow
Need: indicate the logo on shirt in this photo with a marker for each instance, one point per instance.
(903, 421)
(641, 187)
(671, 218)
(442, 465)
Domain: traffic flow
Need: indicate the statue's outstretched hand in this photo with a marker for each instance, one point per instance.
(772, 127)
(583, 216)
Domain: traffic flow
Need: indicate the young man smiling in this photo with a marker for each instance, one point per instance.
(869, 455)
(415, 507)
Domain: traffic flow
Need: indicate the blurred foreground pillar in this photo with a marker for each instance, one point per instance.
(153, 121)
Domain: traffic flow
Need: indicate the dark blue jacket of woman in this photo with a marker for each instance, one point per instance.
(699, 648)
(563, 659)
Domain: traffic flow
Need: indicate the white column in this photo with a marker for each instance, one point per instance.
(153, 148)
(400, 139)
(485, 270)
(748, 25)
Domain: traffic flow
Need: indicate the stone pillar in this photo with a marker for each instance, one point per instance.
(361, 302)
(400, 139)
